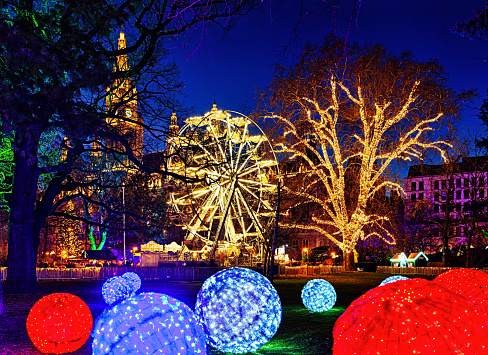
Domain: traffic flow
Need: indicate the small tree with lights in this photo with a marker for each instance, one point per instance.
(349, 114)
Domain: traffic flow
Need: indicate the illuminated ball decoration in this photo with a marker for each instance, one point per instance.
(472, 284)
(59, 323)
(240, 310)
(119, 288)
(393, 279)
(318, 295)
(414, 316)
(149, 323)
(116, 289)
(133, 279)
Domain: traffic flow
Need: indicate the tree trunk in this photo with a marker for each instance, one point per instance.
(23, 235)
(2, 306)
(349, 264)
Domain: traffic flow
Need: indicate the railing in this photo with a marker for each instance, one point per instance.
(300, 271)
(103, 273)
(412, 270)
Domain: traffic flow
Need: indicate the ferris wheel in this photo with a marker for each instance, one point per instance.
(232, 203)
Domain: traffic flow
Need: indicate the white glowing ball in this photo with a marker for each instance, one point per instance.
(240, 310)
(393, 279)
(318, 295)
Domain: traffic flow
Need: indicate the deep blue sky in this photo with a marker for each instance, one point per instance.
(234, 67)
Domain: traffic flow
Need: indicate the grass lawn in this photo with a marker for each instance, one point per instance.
(300, 332)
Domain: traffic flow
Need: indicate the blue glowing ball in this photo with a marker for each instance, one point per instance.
(149, 323)
(133, 279)
(318, 295)
(393, 279)
(119, 288)
(240, 310)
(116, 289)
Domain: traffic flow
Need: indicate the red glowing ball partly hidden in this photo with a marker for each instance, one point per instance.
(59, 323)
(472, 284)
(414, 316)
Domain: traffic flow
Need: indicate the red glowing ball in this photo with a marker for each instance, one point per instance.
(472, 284)
(414, 316)
(59, 323)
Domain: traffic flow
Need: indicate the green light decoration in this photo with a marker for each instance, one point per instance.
(485, 233)
(6, 168)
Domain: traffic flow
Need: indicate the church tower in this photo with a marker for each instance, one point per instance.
(122, 101)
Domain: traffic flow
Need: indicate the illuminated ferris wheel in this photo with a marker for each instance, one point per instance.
(233, 201)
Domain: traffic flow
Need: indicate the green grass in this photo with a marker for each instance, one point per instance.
(301, 332)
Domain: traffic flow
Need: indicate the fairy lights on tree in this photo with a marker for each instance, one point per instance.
(348, 115)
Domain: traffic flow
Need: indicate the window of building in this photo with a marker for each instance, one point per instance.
(466, 194)
(421, 196)
(473, 181)
(305, 243)
(458, 182)
(436, 197)
(482, 180)
(437, 208)
(444, 184)
(466, 182)
(421, 185)
(482, 193)
(413, 197)
(458, 194)
(436, 185)
(414, 185)
(294, 242)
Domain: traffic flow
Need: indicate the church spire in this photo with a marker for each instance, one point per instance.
(173, 128)
(122, 61)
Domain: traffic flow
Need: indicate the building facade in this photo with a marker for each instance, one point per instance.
(454, 196)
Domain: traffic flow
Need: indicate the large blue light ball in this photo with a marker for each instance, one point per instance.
(318, 295)
(149, 323)
(393, 279)
(240, 310)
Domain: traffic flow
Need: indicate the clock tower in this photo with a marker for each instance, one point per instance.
(121, 104)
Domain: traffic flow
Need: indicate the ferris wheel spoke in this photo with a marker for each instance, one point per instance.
(265, 204)
(240, 216)
(252, 215)
(218, 143)
(242, 143)
(249, 157)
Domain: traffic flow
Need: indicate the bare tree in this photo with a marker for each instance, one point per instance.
(356, 109)
(57, 61)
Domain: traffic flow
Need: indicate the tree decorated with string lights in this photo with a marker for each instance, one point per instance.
(348, 115)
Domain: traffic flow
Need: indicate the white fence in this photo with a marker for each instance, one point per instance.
(412, 270)
(300, 271)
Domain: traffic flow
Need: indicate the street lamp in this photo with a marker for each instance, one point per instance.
(305, 250)
(123, 217)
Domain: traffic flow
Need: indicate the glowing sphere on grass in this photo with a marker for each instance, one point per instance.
(118, 288)
(393, 279)
(414, 316)
(472, 284)
(59, 323)
(240, 310)
(149, 323)
(133, 279)
(318, 295)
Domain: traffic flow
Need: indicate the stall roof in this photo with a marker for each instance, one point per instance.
(99, 255)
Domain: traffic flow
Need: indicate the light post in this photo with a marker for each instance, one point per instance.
(306, 253)
(123, 219)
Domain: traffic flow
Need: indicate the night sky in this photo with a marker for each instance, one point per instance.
(234, 67)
